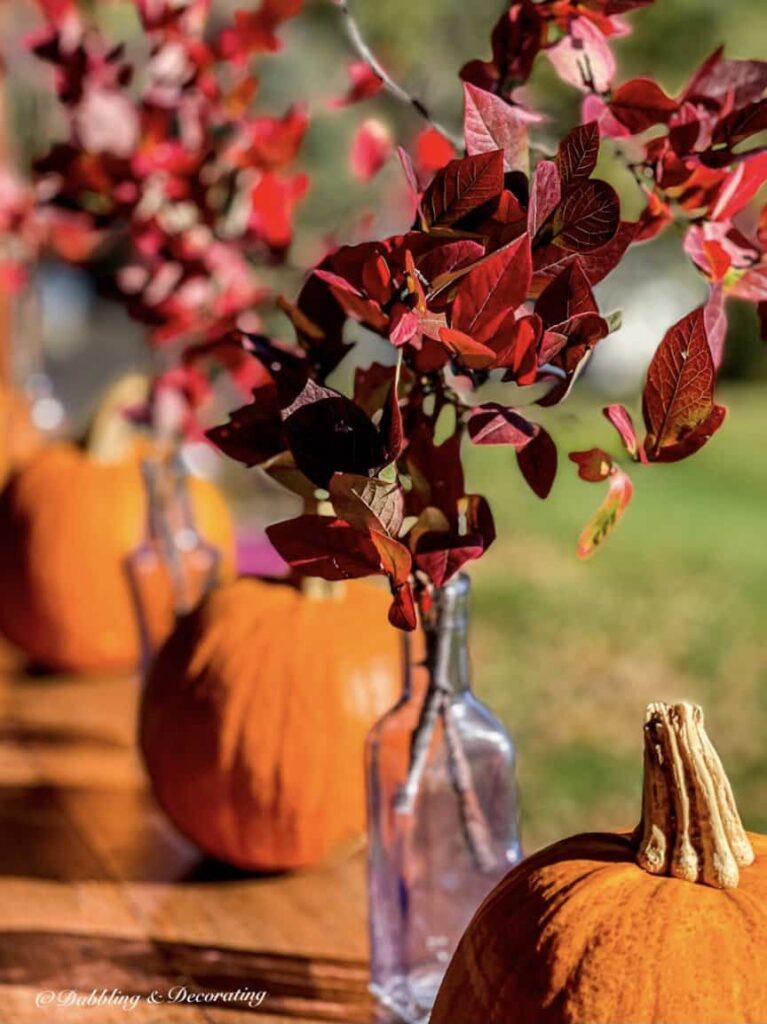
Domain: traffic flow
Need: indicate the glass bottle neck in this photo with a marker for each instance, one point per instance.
(438, 657)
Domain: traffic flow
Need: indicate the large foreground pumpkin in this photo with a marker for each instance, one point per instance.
(67, 523)
(254, 718)
(665, 926)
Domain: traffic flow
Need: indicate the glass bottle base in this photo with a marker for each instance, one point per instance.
(411, 997)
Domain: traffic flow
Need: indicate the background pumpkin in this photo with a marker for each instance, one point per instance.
(67, 523)
(19, 438)
(255, 713)
(665, 926)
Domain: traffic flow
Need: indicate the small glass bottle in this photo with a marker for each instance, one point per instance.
(173, 567)
(443, 823)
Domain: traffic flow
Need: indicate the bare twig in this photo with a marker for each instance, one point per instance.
(362, 49)
(437, 706)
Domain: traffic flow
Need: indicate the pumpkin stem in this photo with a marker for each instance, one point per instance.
(690, 826)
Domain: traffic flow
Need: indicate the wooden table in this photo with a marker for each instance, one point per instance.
(97, 891)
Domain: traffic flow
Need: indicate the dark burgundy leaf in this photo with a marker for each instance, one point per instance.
(516, 347)
(741, 124)
(551, 260)
(641, 103)
(594, 465)
(492, 423)
(352, 302)
(328, 433)
(587, 218)
(488, 291)
(253, 433)
(321, 546)
(442, 554)
(737, 81)
(568, 294)
(577, 155)
(461, 187)
(402, 612)
(538, 463)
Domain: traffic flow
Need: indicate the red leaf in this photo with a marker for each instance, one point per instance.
(538, 463)
(462, 186)
(471, 353)
(363, 83)
(492, 423)
(354, 304)
(402, 613)
(594, 465)
(587, 218)
(607, 516)
(740, 186)
(545, 195)
(490, 123)
(321, 546)
(371, 148)
(596, 265)
(641, 103)
(621, 419)
(367, 503)
(577, 155)
(492, 288)
(432, 152)
(678, 399)
(516, 347)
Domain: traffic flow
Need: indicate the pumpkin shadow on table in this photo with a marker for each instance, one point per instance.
(321, 988)
(44, 837)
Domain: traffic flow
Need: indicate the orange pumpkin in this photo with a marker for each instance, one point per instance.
(19, 438)
(665, 926)
(255, 713)
(67, 523)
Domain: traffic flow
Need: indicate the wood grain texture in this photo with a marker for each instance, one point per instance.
(97, 892)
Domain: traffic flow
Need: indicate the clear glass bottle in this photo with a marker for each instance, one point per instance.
(173, 567)
(443, 824)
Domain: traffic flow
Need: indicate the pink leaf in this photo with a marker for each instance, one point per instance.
(583, 58)
(491, 123)
(619, 416)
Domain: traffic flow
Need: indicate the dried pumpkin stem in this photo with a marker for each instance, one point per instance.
(690, 826)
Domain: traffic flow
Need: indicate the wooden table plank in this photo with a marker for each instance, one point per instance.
(98, 892)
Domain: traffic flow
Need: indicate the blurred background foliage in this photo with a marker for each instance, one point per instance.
(568, 652)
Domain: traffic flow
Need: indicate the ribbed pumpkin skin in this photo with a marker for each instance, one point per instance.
(254, 718)
(67, 523)
(580, 934)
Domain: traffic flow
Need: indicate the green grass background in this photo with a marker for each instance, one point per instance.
(673, 606)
